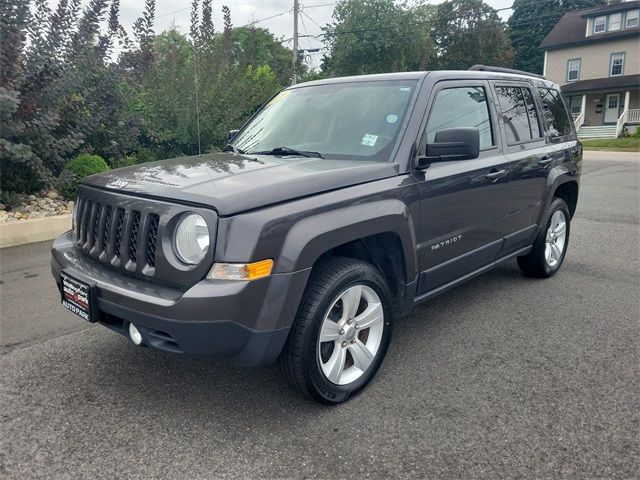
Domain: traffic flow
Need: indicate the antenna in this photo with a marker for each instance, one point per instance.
(296, 8)
(195, 79)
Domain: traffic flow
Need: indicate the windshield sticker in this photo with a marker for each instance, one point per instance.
(278, 98)
(405, 89)
(392, 118)
(369, 140)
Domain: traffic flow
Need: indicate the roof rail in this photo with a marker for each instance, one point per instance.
(485, 68)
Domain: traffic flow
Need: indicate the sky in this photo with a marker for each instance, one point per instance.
(314, 15)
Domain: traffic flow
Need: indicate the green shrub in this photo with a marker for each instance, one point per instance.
(10, 200)
(79, 167)
(125, 161)
(145, 155)
(18, 177)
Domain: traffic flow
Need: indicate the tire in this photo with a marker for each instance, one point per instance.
(311, 366)
(544, 260)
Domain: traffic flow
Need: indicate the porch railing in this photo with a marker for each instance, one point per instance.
(621, 121)
(633, 115)
(578, 119)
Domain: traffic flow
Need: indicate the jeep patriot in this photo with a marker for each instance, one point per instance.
(338, 207)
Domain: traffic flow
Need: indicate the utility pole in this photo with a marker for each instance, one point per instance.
(296, 8)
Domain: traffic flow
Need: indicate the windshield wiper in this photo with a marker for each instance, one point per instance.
(281, 151)
(232, 148)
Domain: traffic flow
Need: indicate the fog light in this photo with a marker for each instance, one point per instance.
(134, 334)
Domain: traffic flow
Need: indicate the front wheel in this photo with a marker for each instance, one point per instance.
(341, 333)
(550, 247)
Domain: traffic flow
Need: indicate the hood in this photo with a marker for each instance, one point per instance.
(234, 183)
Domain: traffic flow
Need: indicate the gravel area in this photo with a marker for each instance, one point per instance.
(45, 204)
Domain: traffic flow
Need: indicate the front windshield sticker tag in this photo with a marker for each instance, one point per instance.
(369, 140)
(278, 98)
(392, 118)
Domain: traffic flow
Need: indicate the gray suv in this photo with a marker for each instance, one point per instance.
(336, 209)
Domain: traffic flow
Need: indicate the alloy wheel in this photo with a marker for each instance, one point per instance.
(351, 334)
(556, 238)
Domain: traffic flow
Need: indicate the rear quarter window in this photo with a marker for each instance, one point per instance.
(555, 113)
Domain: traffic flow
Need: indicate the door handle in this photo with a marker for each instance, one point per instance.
(495, 174)
(544, 161)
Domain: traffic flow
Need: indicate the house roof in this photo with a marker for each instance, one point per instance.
(602, 84)
(572, 27)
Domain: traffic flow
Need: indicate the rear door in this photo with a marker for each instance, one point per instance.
(529, 159)
(462, 205)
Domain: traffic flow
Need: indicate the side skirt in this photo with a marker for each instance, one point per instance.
(465, 278)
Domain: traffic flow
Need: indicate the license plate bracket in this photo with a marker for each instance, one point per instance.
(78, 297)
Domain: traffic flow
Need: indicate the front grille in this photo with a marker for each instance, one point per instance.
(103, 230)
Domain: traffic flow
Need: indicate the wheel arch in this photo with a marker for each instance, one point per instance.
(380, 233)
(568, 191)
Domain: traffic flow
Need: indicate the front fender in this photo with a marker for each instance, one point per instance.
(309, 238)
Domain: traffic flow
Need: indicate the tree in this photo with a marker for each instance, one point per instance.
(54, 84)
(469, 32)
(531, 21)
(373, 36)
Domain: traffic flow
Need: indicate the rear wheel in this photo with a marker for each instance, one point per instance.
(341, 332)
(550, 247)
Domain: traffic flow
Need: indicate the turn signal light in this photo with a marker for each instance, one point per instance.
(241, 271)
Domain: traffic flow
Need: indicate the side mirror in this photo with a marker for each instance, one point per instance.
(232, 134)
(452, 144)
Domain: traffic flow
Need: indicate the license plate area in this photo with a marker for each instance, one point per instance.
(77, 297)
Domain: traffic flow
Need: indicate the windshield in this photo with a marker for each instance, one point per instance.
(341, 121)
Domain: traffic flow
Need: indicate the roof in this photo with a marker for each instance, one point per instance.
(365, 78)
(438, 75)
(572, 27)
(607, 83)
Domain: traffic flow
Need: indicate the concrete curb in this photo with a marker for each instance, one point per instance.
(33, 230)
(614, 156)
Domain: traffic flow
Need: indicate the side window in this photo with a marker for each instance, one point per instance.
(518, 114)
(555, 114)
(534, 124)
(461, 107)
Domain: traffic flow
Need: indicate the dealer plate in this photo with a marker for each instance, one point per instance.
(76, 296)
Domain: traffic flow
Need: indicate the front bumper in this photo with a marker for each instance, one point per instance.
(243, 323)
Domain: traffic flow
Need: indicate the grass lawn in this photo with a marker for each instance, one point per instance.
(628, 144)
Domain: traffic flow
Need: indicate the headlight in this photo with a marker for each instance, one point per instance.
(191, 239)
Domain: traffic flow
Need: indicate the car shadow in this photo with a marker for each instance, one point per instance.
(181, 385)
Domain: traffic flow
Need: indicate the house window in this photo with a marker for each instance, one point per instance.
(632, 18)
(573, 70)
(575, 105)
(617, 64)
(599, 24)
(615, 21)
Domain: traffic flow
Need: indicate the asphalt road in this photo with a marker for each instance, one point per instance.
(505, 377)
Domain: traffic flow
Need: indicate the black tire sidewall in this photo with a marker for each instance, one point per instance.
(327, 391)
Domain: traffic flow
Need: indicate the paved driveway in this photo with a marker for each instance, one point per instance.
(503, 377)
